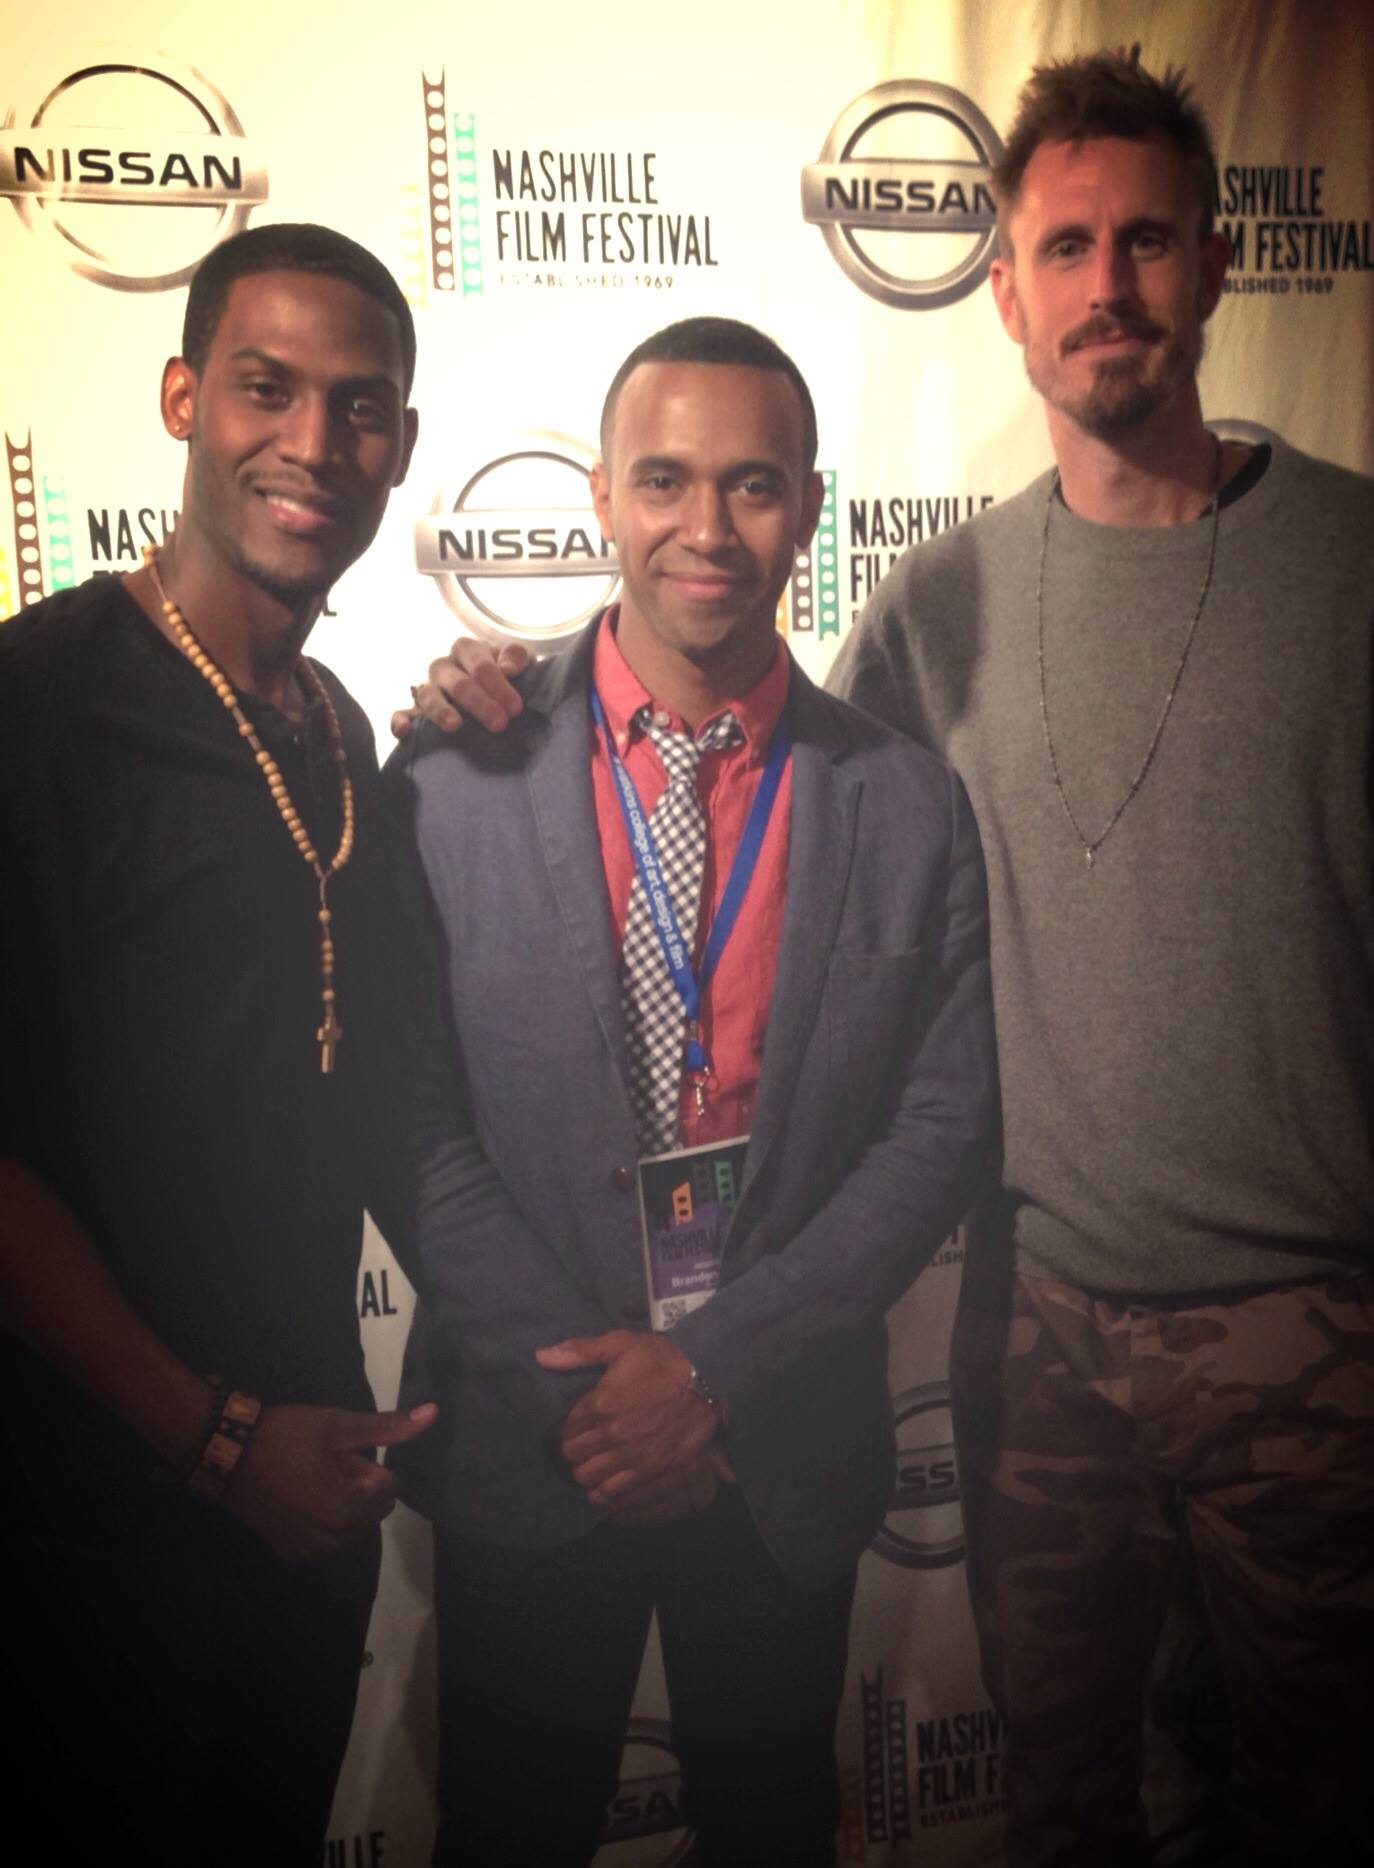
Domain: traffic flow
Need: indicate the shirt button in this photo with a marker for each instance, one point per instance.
(623, 1179)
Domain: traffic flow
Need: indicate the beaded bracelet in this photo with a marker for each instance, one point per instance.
(231, 1428)
(165, 1477)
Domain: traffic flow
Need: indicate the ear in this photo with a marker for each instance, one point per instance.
(813, 498)
(178, 398)
(410, 427)
(1216, 257)
(1002, 277)
(601, 500)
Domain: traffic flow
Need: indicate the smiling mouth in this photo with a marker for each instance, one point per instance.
(705, 586)
(303, 518)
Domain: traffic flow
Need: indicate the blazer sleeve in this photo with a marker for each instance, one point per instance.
(490, 1290)
(910, 1184)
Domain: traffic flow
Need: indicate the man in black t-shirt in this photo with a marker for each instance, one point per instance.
(193, 959)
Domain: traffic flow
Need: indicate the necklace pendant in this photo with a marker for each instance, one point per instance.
(329, 1035)
(1089, 858)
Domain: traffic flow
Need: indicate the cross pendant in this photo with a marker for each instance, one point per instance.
(329, 1035)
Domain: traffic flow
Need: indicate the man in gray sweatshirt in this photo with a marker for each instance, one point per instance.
(1152, 669)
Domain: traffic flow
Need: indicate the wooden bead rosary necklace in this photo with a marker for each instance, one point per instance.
(330, 1031)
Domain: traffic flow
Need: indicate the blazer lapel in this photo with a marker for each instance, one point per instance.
(825, 800)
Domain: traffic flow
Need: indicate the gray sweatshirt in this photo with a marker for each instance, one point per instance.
(1186, 1027)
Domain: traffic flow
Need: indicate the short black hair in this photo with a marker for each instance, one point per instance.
(1097, 94)
(713, 340)
(288, 246)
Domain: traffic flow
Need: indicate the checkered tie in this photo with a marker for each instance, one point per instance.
(654, 1016)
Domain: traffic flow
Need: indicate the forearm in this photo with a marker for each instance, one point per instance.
(833, 1280)
(59, 1297)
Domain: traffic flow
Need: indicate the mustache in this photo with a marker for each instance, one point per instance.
(1120, 324)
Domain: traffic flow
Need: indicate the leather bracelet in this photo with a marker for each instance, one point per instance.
(230, 1431)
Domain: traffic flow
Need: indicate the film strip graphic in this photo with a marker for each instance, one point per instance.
(455, 244)
(57, 527)
(28, 558)
(814, 592)
(27, 583)
(887, 1786)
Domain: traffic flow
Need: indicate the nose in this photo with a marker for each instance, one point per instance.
(307, 435)
(1113, 276)
(707, 522)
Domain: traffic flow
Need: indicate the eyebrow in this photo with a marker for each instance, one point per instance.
(374, 380)
(651, 463)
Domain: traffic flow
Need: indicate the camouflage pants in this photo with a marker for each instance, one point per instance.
(1091, 1433)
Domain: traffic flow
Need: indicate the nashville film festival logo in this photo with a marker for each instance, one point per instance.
(517, 553)
(130, 171)
(1286, 230)
(954, 1776)
(923, 1529)
(500, 214)
(902, 193)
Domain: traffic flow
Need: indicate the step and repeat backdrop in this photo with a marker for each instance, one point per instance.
(550, 184)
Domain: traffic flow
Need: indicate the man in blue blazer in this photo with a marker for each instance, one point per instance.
(838, 1073)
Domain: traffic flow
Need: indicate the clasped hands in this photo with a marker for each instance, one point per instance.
(640, 1443)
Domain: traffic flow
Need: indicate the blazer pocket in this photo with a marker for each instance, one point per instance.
(870, 1007)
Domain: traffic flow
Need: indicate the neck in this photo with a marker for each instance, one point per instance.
(693, 689)
(253, 637)
(1161, 473)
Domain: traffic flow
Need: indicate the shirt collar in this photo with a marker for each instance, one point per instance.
(623, 694)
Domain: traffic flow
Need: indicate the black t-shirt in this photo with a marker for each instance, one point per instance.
(159, 1002)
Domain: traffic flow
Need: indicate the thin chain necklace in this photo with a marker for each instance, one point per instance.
(1090, 848)
(330, 1031)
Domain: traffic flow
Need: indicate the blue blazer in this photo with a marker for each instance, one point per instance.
(874, 1118)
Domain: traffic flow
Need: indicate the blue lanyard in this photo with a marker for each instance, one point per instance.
(690, 984)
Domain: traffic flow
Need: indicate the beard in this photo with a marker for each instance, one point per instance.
(1125, 391)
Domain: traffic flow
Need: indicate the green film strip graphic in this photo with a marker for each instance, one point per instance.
(57, 525)
(826, 555)
(814, 589)
(469, 234)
